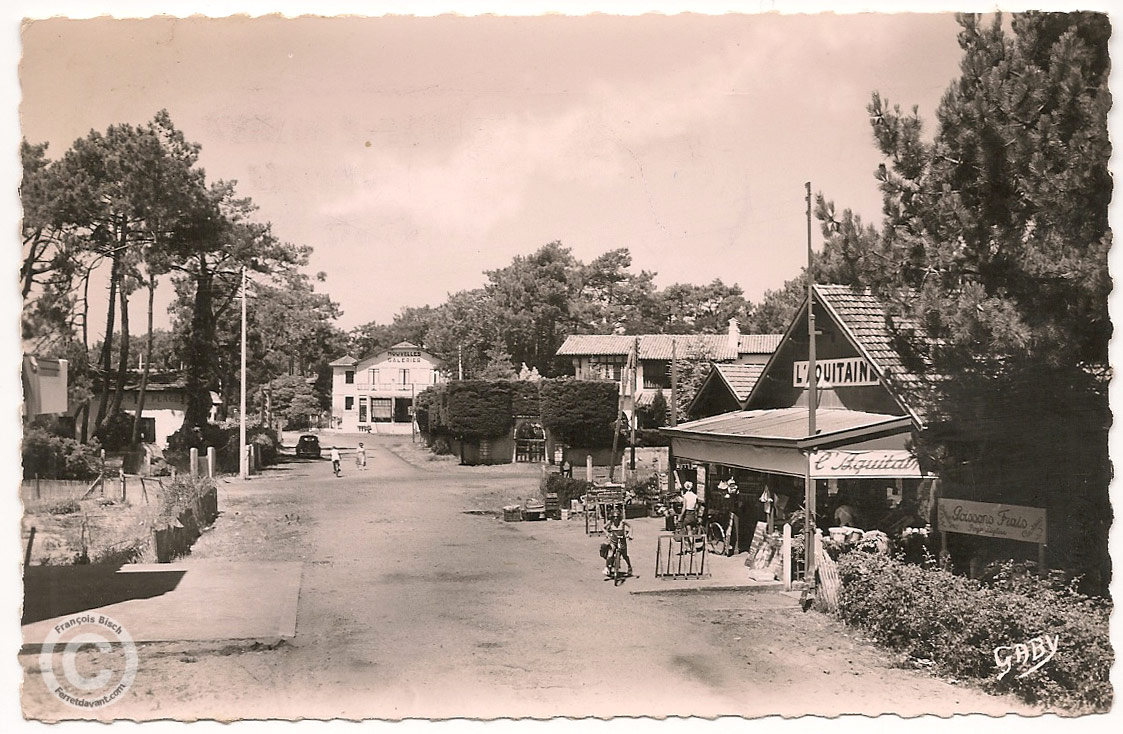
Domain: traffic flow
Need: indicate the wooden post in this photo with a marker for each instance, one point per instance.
(38, 493)
(589, 468)
(1041, 567)
(786, 555)
(212, 462)
(194, 462)
(943, 546)
(27, 553)
(124, 493)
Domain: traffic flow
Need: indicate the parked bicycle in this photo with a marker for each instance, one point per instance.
(723, 539)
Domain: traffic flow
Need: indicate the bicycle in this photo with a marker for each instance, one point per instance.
(722, 541)
(621, 543)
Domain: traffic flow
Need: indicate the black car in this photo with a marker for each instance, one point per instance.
(308, 445)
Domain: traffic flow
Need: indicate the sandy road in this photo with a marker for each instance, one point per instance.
(413, 606)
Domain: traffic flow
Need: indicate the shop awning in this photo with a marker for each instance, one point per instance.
(778, 441)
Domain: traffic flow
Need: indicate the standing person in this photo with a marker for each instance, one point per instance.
(361, 457)
(335, 460)
(688, 520)
(618, 532)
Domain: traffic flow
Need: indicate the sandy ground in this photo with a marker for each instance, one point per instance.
(417, 603)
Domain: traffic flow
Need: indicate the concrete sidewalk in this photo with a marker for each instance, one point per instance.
(169, 602)
(722, 573)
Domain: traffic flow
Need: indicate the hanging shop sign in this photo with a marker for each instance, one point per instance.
(850, 372)
(1012, 522)
(864, 464)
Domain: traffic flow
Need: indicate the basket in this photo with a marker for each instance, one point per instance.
(512, 513)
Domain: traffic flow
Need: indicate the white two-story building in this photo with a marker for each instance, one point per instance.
(376, 393)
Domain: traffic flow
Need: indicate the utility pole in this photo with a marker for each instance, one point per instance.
(635, 391)
(243, 457)
(459, 362)
(812, 400)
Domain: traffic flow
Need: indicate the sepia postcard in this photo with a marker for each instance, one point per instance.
(477, 363)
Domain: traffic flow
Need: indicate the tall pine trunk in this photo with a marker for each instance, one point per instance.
(107, 342)
(123, 356)
(147, 364)
(200, 352)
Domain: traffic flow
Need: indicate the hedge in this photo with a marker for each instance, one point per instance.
(565, 487)
(525, 398)
(479, 408)
(54, 457)
(958, 623)
(422, 405)
(580, 412)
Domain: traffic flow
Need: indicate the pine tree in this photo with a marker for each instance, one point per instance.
(994, 249)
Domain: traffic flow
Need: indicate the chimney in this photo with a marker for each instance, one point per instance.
(734, 336)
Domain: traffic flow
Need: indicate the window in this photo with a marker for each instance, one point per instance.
(148, 430)
(656, 374)
(381, 409)
(405, 376)
(609, 367)
(362, 410)
(372, 375)
(348, 403)
(349, 377)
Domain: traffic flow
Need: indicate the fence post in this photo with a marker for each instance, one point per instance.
(124, 492)
(38, 494)
(786, 554)
(194, 462)
(212, 461)
(589, 468)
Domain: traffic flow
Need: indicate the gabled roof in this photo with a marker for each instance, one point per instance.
(659, 346)
(788, 426)
(864, 317)
(759, 343)
(405, 345)
(739, 378)
(345, 361)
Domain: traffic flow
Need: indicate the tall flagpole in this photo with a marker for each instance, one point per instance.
(243, 464)
(812, 400)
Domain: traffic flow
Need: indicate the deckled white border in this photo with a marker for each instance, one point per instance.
(12, 11)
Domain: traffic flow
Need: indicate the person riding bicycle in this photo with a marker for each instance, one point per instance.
(618, 532)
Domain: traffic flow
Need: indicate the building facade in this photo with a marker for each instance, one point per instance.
(376, 393)
(605, 357)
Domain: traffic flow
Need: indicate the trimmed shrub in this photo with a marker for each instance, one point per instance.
(958, 623)
(525, 398)
(566, 488)
(479, 408)
(580, 412)
(55, 457)
(651, 437)
(421, 407)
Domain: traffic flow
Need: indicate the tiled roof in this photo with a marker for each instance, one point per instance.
(864, 316)
(759, 343)
(344, 361)
(785, 423)
(740, 377)
(658, 346)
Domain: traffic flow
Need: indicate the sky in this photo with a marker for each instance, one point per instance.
(412, 154)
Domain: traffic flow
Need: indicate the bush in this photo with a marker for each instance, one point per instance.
(479, 408)
(566, 488)
(181, 492)
(957, 624)
(116, 431)
(580, 412)
(55, 457)
(266, 442)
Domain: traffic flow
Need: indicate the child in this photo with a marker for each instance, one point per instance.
(361, 457)
(617, 532)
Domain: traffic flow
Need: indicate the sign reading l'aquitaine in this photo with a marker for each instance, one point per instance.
(838, 464)
(1013, 522)
(849, 372)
